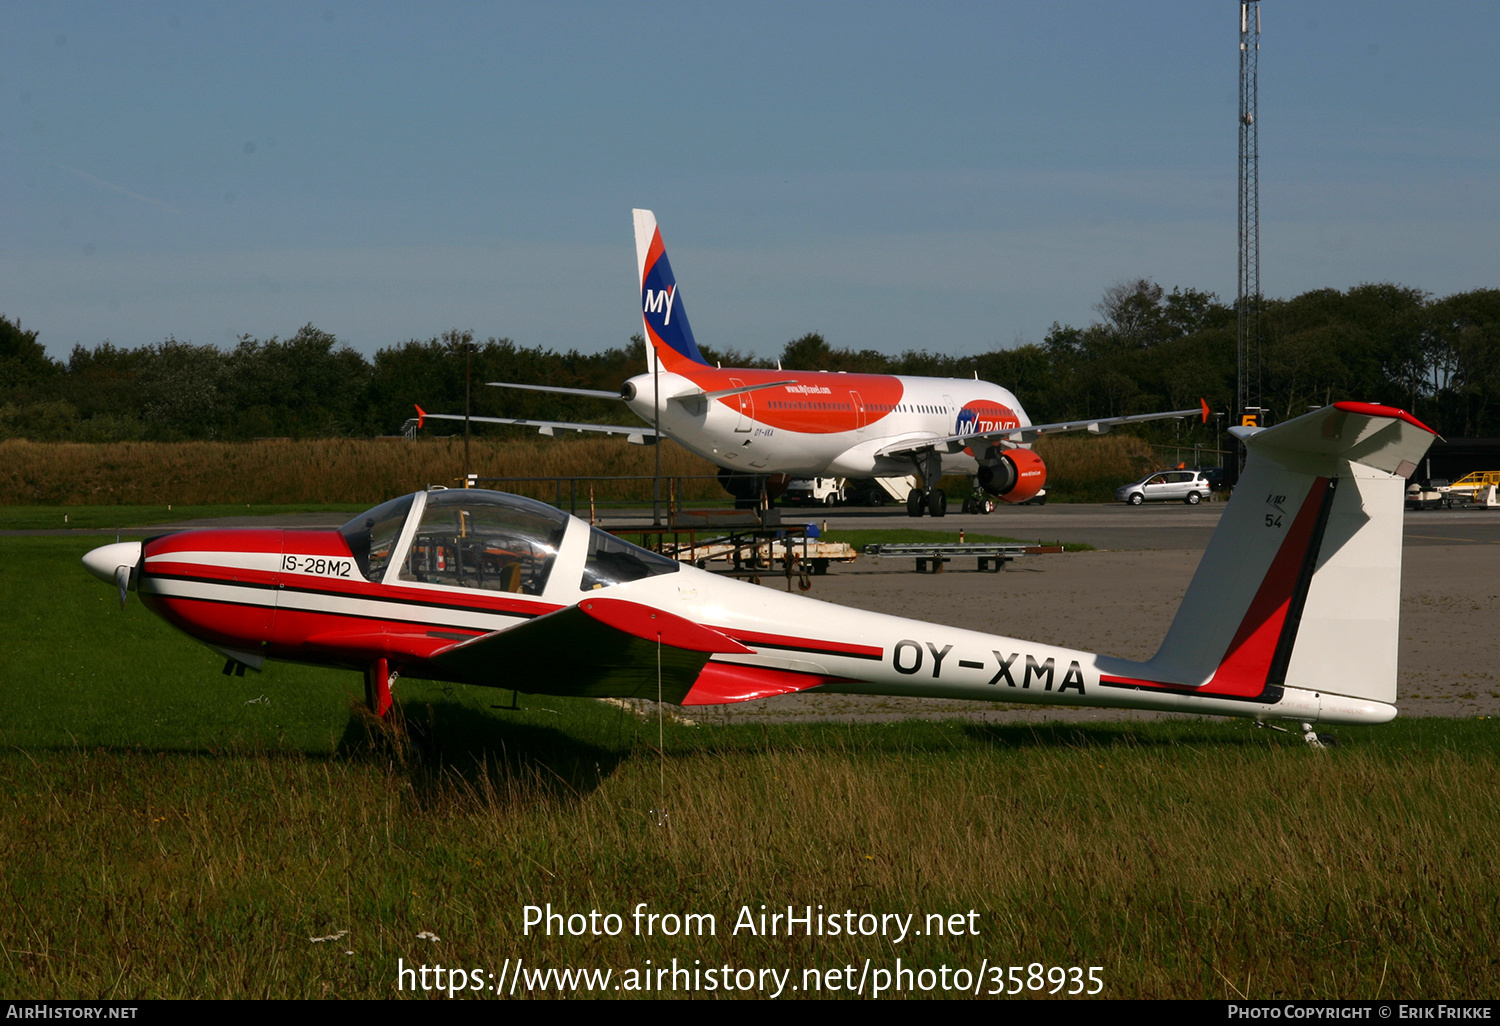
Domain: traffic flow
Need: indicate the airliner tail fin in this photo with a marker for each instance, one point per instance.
(669, 339)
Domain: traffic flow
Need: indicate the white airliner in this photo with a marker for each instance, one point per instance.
(760, 423)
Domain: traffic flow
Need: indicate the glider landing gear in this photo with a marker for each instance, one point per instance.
(378, 680)
(1314, 739)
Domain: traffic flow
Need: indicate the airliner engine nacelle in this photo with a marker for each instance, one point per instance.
(1013, 475)
(746, 488)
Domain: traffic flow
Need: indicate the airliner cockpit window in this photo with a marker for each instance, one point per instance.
(371, 535)
(614, 561)
(471, 538)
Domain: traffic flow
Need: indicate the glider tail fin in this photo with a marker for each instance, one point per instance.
(1301, 583)
(669, 339)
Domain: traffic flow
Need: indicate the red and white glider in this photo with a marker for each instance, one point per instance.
(1292, 614)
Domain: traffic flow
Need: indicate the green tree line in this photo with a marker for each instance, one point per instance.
(1148, 350)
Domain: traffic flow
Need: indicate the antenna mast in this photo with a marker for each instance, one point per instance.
(1248, 300)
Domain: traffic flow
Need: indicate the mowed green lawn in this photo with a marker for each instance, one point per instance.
(166, 831)
(76, 669)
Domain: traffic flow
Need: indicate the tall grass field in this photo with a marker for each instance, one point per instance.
(368, 471)
(167, 831)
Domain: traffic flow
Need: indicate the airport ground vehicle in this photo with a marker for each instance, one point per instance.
(815, 491)
(1189, 486)
(1471, 487)
(1428, 495)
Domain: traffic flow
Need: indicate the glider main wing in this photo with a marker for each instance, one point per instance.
(598, 648)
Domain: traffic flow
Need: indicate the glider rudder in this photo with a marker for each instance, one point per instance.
(1301, 583)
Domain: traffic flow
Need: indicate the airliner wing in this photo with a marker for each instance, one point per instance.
(592, 393)
(1097, 426)
(638, 435)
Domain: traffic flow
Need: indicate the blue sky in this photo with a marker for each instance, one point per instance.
(949, 176)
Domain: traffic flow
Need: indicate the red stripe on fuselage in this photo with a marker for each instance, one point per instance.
(241, 625)
(279, 626)
(212, 572)
(458, 600)
(241, 539)
(317, 636)
(472, 600)
(804, 644)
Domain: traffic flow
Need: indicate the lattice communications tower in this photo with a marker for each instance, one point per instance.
(1247, 397)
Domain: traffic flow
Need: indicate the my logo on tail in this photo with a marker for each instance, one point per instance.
(662, 310)
(656, 302)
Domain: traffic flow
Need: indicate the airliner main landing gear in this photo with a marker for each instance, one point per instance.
(930, 468)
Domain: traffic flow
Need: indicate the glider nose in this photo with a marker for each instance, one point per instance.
(103, 561)
(113, 564)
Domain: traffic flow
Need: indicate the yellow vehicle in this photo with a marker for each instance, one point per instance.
(1471, 487)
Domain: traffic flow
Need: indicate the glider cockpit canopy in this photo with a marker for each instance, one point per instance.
(473, 538)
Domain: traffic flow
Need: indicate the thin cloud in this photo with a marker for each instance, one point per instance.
(112, 187)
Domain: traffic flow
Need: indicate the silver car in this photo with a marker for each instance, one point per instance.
(1189, 486)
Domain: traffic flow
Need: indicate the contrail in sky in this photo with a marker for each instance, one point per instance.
(117, 188)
